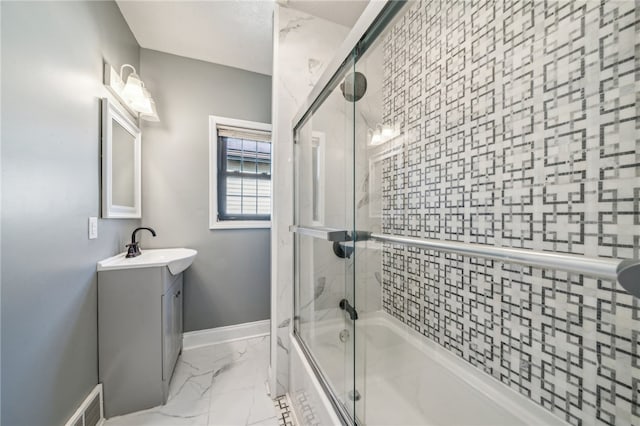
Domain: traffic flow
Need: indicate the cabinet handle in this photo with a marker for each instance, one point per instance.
(178, 293)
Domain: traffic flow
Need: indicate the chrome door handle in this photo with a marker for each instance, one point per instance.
(321, 232)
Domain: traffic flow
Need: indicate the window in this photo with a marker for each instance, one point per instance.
(240, 174)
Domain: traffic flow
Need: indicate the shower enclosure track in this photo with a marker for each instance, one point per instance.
(626, 272)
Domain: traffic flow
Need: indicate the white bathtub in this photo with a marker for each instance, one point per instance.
(404, 379)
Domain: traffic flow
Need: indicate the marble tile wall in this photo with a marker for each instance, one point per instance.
(521, 121)
(303, 46)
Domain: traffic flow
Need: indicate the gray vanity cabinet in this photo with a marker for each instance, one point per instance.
(139, 336)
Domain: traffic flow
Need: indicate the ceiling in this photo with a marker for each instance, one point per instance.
(236, 33)
(343, 12)
(233, 33)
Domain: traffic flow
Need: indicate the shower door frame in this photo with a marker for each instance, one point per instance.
(367, 29)
(373, 20)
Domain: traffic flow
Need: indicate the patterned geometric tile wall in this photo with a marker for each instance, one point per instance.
(522, 124)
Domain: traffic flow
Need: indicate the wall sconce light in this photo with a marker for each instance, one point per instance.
(132, 94)
(382, 134)
(153, 115)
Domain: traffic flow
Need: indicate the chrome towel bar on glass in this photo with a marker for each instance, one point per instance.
(626, 272)
(322, 233)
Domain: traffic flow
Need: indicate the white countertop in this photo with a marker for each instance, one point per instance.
(176, 259)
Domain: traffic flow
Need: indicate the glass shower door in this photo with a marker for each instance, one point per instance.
(324, 321)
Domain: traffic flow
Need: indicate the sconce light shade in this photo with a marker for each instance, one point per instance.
(376, 138)
(152, 115)
(132, 94)
(387, 132)
(142, 104)
(382, 134)
(133, 88)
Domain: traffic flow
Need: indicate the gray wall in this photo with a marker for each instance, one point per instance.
(52, 55)
(229, 281)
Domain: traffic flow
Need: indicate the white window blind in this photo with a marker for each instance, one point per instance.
(238, 133)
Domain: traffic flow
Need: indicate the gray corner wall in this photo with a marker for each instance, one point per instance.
(52, 68)
(229, 281)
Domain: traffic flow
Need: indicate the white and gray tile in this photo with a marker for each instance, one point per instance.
(285, 416)
(518, 133)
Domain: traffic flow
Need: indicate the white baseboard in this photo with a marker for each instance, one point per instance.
(194, 339)
(78, 415)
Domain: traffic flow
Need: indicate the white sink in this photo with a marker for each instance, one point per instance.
(176, 259)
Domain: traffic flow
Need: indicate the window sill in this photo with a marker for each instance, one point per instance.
(241, 224)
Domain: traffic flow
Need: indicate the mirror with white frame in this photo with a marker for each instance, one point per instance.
(121, 149)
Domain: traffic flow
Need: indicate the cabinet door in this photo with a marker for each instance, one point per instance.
(167, 326)
(171, 327)
(177, 317)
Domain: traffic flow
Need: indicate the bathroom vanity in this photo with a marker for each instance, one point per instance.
(140, 327)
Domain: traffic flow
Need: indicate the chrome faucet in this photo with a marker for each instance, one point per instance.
(133, 249)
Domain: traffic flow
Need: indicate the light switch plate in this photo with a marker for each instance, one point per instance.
(93, 228)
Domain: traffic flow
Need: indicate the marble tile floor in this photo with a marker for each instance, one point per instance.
(216, 385)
